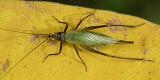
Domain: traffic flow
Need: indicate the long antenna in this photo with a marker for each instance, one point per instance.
(23, 58)
(20, 32)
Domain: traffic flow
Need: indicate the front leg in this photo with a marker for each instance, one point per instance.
(62, 23)
(55, 53)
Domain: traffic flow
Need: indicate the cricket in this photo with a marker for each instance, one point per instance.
(86, 38)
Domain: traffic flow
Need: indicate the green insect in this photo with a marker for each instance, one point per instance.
(84, 37)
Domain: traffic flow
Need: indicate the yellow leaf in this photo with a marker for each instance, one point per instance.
(36, 17)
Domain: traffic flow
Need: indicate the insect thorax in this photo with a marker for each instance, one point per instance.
(58, 36)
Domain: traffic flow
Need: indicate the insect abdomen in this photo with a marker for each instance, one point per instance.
(89, 38)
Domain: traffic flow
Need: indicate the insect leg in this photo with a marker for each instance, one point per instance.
(109, 25)
(80, 57)
(101, 53)
(55, 53)
(62, 23)
(83, 19)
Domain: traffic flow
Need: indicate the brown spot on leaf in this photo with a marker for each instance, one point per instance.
(121, 72)
(25, 66)
(149, 78)
(95, 19)
(35, 38)
(144, 50)
(115, 28)
(5, 65)
(70, 62)
(1, 64)
(149, 73)
(52, 42)
(116, 22)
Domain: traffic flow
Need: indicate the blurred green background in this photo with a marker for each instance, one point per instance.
(148, 9)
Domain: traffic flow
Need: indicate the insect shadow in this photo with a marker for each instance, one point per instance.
(84, 37)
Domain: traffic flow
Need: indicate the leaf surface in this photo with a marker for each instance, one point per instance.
(36, 17)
